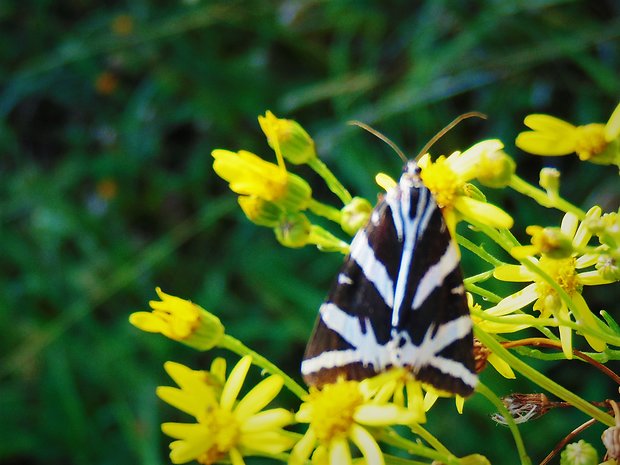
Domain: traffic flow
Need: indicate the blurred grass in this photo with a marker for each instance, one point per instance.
(108, 115)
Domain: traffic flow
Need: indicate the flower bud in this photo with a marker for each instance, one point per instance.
(295, 143)
(294, 230)
(259, 211)
(550, 241)
(550, 181)
(355, 215)
(180, 320)
(579, 453)
(495, 169)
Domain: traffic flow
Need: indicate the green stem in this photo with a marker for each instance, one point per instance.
(326, 211)
(334, 185)
(469, 245)
(510, 422)
(488, 295)
(541, 197)
(541, 380)
(389, 436)
(428, 437)
(236, 346)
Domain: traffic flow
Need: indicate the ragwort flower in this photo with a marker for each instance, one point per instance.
(448, 179)
(248, 174)
(180, 320)
(595, 142)
(339, 413)
(567, 274)
(225, 428)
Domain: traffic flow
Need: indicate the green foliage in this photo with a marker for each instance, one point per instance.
(107, 119)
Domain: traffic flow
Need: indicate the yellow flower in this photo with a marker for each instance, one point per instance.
(181, 320)
(339, 413)
(248, 174)
(595, 142)
(567, 274)
(225, 428)
(260, 211)
(447, 178)
(289, 137)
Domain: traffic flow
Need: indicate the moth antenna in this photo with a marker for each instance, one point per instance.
(441, 133)
(384, 138)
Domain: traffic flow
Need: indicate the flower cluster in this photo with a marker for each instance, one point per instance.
(350, 420)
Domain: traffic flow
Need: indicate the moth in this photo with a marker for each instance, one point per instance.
(398, 299)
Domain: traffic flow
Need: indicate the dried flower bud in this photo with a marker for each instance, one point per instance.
(481, 355)
(524, 407)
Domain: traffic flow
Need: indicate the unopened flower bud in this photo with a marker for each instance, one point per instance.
(473, 192)
(355, 215)
(495, 169)
(550, 181)
(579, 453)
(259, 211)
(295, 143)
(294, 230)
(550, 241)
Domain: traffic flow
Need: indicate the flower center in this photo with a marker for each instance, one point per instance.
(442, 181)
(563, 272)
(224, 432)
(590, 140)
(333, 408)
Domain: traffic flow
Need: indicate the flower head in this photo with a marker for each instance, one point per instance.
(595, 142)
(448, 179)
(564, 273)
(181, 320)
(339, 413)
(248, 174)
(225, 427)
(288, 136)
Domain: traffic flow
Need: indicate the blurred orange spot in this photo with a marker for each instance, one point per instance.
(122, 25)
(106, 83)
(107, 189)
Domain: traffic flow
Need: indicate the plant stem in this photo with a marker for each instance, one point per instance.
(540, 379)
(332, 182)
(236, 346)
(510, 422)
(541, 197)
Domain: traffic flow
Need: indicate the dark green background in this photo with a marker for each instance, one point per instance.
(76, 380)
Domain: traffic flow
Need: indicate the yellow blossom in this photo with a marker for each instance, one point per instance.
(595, 142)
(226, 428)
(181, 320)
(340, 413)
(248, 174)
(447, 178)
(568, 273)
(288, 136)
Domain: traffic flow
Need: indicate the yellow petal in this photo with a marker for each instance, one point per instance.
(546, 143)
(484, 212)
(548, 124)
(234, 382)
(367, 445)
(339, 452)
(514, 301)
(302, 450)
(429, 400)
(514, 273)
(588, 319)
(269, 419)
(382, 415)
(460, 403)
(235, 457)
(593, 278)
(612, 128)
(502, 367)
(385, 182)
(255, 400)
(147, 321)
(267, 442)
